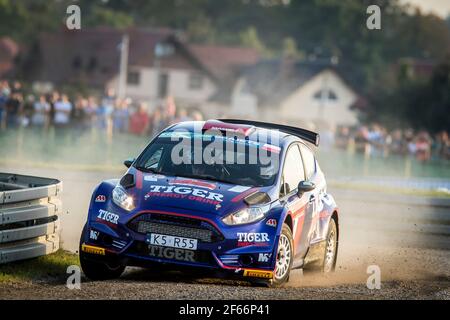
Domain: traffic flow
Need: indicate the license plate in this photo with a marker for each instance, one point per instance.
(172, 242)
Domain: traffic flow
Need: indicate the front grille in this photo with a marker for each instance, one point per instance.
(170, 230)
(175, 226)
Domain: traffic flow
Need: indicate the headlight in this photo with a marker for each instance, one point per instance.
(247, 215)
(122, 199)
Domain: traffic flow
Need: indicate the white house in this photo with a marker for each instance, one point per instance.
(298, 93)
(160, 64)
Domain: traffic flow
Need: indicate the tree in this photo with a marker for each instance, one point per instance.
(108, 17)
(290, 49)
(250, 38)
(415, 102)
(201, 31)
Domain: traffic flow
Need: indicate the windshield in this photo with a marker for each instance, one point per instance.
(226, 162)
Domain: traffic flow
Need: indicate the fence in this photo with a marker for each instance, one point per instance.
(29, 216)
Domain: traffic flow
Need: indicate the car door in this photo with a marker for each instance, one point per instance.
(311, 215)
(310, 165)
(300, 208)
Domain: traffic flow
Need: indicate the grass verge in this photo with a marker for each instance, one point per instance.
(382, 189)
(50, 267)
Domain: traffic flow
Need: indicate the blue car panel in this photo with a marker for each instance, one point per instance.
(195, 208)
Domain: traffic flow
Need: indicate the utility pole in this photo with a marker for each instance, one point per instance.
(123, 69)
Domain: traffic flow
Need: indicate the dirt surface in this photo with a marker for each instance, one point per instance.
(405, 274)
(414, 264)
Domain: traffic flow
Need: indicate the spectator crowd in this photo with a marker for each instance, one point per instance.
(375, 140)
(107, 113)
(112, 114)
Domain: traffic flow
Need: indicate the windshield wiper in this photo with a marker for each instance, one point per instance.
(205, 177)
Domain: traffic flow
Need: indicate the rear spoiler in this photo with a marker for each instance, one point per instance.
(304, 134)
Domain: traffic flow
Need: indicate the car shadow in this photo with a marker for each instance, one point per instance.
(158, 275)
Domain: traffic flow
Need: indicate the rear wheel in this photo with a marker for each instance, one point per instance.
(98, 270)
(330, 255)
(327, 260)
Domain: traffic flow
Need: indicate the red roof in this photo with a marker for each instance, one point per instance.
(8, 52)
(94, 53)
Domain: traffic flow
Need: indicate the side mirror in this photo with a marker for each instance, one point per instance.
(128, 162)
(305, 186)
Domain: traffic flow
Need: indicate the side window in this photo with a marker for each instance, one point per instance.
(293, 171)
(309, 160)
(153, 161)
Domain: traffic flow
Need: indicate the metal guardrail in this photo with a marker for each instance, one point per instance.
(29, 216)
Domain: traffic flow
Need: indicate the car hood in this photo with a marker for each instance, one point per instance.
(152, 191)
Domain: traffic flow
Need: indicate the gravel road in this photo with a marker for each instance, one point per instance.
(401, 279)
(414, 264)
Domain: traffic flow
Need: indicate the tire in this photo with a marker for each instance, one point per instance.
(331, 248)
(284, 260)
(98, 271)
(327, 261)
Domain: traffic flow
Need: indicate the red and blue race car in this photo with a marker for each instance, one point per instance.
(238, 198)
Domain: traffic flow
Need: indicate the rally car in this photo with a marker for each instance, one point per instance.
(239, 198)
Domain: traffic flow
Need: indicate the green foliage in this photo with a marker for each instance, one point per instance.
(107, 17)
(415, 102)
(290, 49)
(321, 28)
(53, 266)
(250, 38)
(201, 30)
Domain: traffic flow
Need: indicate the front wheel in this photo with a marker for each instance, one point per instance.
(284, 260)
(98, 270)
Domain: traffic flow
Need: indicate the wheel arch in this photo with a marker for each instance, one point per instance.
(335, 217)
(288, 221)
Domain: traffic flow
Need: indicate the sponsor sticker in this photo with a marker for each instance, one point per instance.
(258, 274)
(253, 237)
(194, 183)
(248, 239)
(238, 189)
(183, 192)
(100, 198)
(93, 235)
(153, 177)
(264, 257)
(171, 253)
(228, 127)
(93, 250)
(108, 216)
(272, 223)
(271, 148)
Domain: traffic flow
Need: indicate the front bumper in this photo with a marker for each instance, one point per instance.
(100, 254)
(225, 252)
